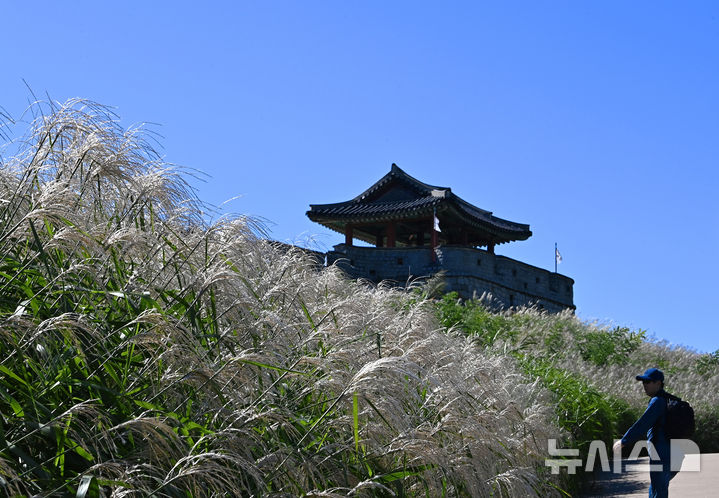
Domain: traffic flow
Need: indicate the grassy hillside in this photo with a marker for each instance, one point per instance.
(145, 352)
(592, 369)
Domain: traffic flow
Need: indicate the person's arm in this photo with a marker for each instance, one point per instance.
(646, 421)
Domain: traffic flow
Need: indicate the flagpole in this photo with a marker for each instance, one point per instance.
(555, 257)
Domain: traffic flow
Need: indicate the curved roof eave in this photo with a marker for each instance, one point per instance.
(489, 223)
(357, 213)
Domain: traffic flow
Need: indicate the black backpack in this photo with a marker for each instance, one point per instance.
(679, 422)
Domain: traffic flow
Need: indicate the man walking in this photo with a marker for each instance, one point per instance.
(651, 424)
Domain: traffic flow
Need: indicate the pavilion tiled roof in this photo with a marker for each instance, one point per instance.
(419, 201)
(372, 210)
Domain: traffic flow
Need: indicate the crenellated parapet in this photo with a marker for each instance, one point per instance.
(469, 271)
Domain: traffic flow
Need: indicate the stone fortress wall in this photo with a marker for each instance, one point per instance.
(468, 271)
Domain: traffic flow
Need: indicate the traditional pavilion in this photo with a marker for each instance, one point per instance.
(420, 230)
(400, 211)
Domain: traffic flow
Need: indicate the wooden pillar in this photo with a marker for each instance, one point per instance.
(490, 247)
(391, 233)
(348, 234)
(420, 238)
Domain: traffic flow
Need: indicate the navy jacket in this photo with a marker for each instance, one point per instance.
(651, 426)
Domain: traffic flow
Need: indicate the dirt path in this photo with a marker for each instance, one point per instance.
(635, 482)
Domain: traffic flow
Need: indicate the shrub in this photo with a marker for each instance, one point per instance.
(472, 318)
(707, 428)
(708, 364)
(582, 410)
(604, 347)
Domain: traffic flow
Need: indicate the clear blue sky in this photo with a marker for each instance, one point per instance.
(597, 123)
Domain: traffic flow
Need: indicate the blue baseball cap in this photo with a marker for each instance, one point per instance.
(652, 374)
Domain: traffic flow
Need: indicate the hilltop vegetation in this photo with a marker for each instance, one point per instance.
(147, 352)
(590, 369)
